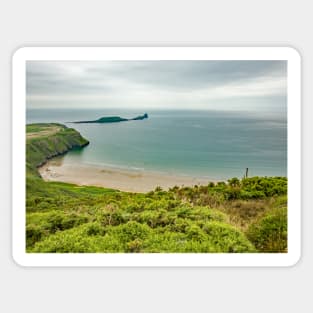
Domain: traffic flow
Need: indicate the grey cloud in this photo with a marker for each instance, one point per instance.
(191, 74)
(147, 82)
(44, 78)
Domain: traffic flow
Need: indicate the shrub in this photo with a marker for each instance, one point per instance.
(269, 233)
(130, 231)
(41, 225)
(86, 238)
(226, 238)
(34, 233)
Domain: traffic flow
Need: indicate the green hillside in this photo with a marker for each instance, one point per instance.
(44, 141)
(248, 215)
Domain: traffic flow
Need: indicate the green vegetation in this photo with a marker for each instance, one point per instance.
(45, 141)
(247, 215)
(269, 233)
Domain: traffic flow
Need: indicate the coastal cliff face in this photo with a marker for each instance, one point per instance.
(44, 141)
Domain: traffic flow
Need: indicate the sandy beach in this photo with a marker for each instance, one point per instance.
(121, 179)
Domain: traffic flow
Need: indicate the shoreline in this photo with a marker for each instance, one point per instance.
(129, 180)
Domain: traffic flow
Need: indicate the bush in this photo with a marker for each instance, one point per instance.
(130, 231)
(227, 238)
(41, 225)
(87, 238)
(269, 233)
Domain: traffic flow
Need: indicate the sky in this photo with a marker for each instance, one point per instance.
(219, 85)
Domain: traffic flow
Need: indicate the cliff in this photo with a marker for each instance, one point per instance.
(44, 141)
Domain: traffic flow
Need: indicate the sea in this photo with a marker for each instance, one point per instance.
(217, 145)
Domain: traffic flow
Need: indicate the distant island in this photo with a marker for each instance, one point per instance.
(114, 119)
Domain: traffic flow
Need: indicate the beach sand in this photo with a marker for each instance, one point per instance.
(121, 179)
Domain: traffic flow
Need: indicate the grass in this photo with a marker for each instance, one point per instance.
(247, 215)
(44, 141)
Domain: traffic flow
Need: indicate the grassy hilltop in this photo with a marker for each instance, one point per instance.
(44, 141)
(248, 215)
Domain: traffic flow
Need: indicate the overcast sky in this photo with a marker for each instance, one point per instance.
(225, 85)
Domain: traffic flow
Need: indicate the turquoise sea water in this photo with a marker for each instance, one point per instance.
(210, 144)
